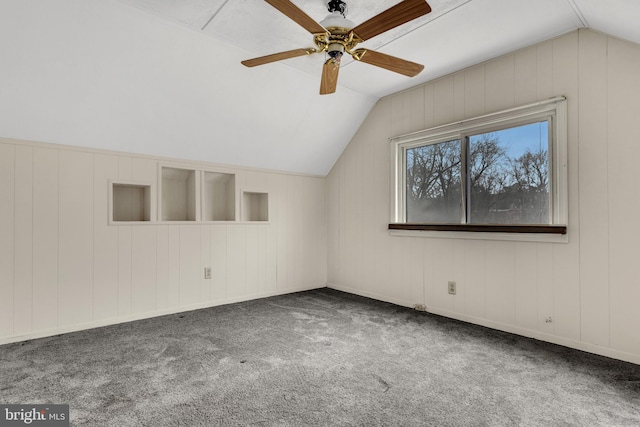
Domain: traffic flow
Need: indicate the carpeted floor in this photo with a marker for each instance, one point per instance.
(321, 357)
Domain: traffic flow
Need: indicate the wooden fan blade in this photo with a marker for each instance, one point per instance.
(388, 62)
(329, 80)
(277, 57)
(297, 15)
(399, 14)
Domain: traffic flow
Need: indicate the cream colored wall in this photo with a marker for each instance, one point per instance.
(590, 287)
(63, 268)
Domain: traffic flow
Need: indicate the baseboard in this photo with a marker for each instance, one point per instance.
(371, 295)
(529, 333)
(147, 315)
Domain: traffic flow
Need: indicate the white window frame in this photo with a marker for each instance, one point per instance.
(554, 109)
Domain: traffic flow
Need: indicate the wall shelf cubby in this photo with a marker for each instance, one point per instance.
(218, 196)
(179, 189)
(130, 202)
(255, 206)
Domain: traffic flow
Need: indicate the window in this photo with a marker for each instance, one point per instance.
(507, 168)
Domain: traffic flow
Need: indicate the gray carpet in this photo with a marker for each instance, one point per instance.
(321, 357)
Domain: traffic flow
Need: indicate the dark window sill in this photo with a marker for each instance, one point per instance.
(484, 228)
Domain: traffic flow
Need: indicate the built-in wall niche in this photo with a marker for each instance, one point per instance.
(130, 202)
(255, 206)
(179, 189)
(218, 196)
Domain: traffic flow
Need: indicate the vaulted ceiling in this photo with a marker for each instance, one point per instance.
(163, 77)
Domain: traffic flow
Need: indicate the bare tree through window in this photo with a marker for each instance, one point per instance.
(507, 175)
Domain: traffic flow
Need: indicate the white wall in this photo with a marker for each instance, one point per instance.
(590, 287)
(63, 268)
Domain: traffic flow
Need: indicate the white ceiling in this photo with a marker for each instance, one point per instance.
(164, 77)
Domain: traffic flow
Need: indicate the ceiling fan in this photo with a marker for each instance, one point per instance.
(336, 35)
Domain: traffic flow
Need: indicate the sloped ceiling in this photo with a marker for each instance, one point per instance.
(163, 77)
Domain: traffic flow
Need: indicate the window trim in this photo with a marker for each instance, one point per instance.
(555, 109)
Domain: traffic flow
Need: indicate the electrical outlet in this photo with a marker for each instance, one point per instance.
(452, 288)
(207, 272)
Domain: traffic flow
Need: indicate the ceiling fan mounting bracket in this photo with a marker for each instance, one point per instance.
(336, 37)
(337, 6)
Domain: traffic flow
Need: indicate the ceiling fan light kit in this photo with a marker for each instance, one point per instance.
(337, 35)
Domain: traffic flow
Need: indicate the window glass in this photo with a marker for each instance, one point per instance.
(434, 183)
(508, 175)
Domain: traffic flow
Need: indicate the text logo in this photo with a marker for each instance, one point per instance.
(34, 415)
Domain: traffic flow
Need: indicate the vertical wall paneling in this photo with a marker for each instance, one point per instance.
(567, 257)
(205, 262)
(271, 254)
(300, 266)
(526, 285)
(271, 258)
(23, 247)
(593, 190)
(382, 128)
(282, 215)
(546, 297)
(444, 269)
(189, 264)
(412, 283)
(251, 242)
(475, 278)
(444, 100)
(45, 238)
(125, 249)
(105, 245)
(144, 245)
(459, 302)
(429, 105)
(174, 267)
(292, 232)
(624, 204)
(75, 296)
(353, 253)
(144, 248)
(237, 261)
(459, 96)
(416, 110)
(396, 275)
(262, 259)
(428, 253)
(525, 76)
(474, 91)
(500, 79)
(218, 248)
(544, 69)
(163, 285)
(333, 222)
(7, 232)
(500, 288)
(367, 204)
